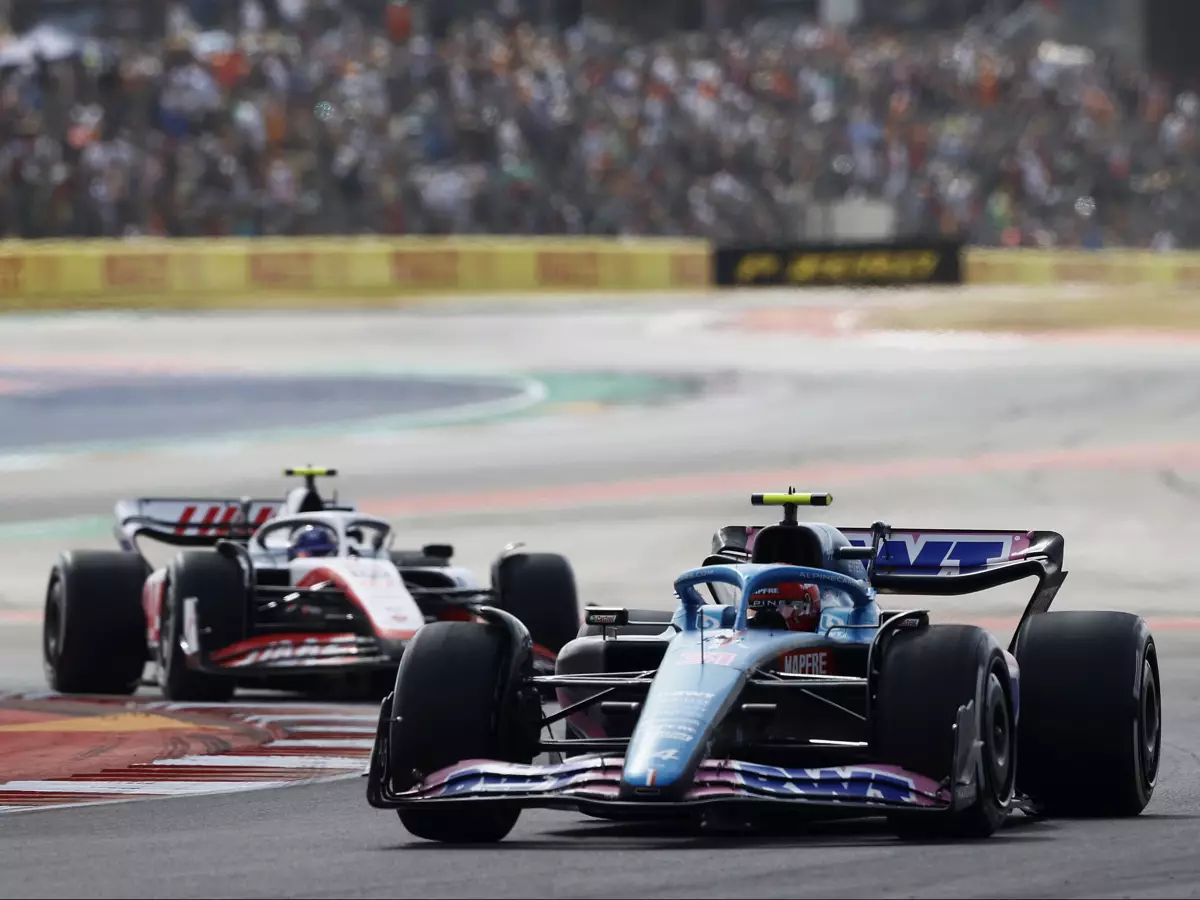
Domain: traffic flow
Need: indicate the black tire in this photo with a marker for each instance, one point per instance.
(539, 589)
(661, 619)
(93, 626)
(218, 586)
(926, 675)
(447, 707)
(1091, 713)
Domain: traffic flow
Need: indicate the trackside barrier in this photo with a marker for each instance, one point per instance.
(265, 272)
(262, 272)
(1107, 267)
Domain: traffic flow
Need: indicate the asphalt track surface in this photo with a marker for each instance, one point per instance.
(46, 409)
(1096, 440)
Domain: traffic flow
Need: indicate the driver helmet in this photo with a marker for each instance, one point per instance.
(794, 607)
(313, 541)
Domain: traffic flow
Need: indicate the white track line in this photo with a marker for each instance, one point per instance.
(356, 720)
(343, 729)
(263, 708)
(133, 787)
(264, 762)
(339, 744)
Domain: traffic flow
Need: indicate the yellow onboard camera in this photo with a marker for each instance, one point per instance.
(791, 501)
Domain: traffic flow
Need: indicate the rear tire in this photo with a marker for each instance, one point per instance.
(217, 584)
(448, 707)
(926, 676)
(539, 589)
(93, 626)
(1091, 713)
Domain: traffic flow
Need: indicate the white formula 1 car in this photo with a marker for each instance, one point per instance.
(243, 607)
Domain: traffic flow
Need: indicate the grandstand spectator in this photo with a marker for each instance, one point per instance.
(301, 120)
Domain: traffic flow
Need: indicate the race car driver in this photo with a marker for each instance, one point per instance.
(794, 607)
(313, 541)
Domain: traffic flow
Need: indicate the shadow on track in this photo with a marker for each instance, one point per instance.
(656, 836)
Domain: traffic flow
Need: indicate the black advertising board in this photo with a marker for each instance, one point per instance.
(875, 264)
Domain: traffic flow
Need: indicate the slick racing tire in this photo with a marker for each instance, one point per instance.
(215, 581)
(925, 676)
(93, 627)
(1091, 713)
(449, 705)
(539, 589)
(660, 620)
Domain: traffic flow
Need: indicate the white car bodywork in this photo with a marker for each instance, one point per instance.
(363, 568)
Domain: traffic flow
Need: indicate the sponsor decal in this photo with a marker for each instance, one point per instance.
(806, 662)
(568, 268)
(680, 696)
(865, 784)
(280, 269)
(916, 263)
(213, 518)
(932, 553)
(708, 619)
(712, 658)
(12, 274)
(673, 735)
(690, 269)
(372, 571)
(138, 270)
(277, 651)
(610, 619)
(425, 268)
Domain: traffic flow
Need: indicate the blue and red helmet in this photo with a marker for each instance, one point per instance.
(794, 607)
(313, 540)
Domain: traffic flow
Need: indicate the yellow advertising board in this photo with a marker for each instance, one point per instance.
(321, 271)
(1107, 267)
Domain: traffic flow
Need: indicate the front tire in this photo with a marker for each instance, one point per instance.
(1091, 713)
(449, 705)
(216, 583)
(926, 675)
(93, 626)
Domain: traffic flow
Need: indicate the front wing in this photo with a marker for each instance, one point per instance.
(311, 654)
(592, 784)
(295, 654)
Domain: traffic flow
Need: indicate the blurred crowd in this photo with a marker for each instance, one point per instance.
(325, 122)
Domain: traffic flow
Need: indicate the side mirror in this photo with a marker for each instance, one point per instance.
(440, 551)
(606, 617)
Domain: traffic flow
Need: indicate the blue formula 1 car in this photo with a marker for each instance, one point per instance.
(786, 691)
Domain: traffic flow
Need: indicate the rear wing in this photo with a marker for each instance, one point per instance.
(191, 521)
(945, 562)
(926, 551)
